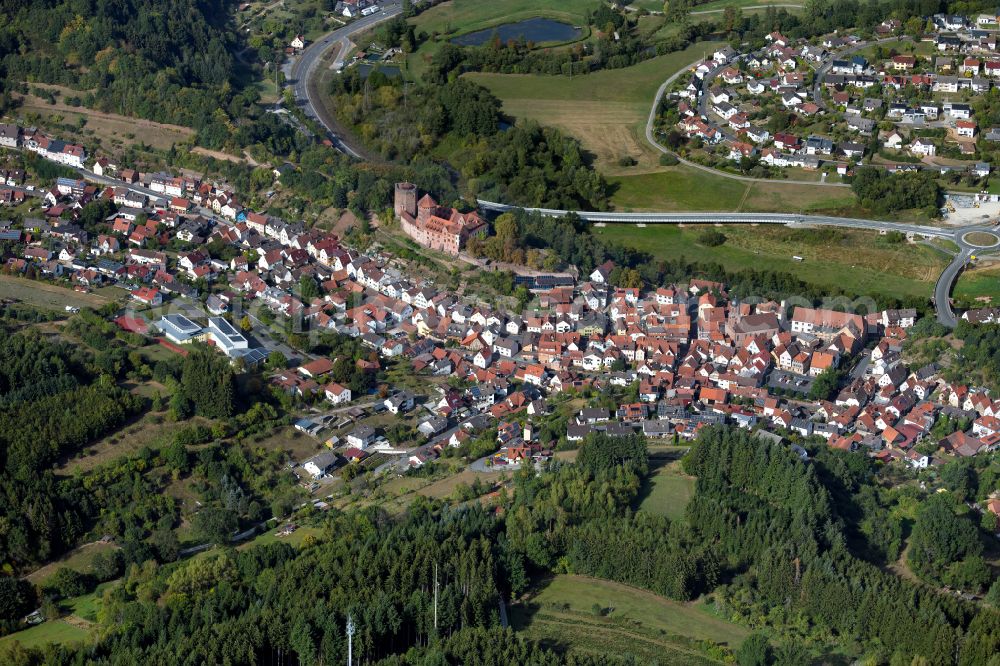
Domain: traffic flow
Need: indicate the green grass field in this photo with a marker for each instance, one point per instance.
(79, 559)
(676, 188)
(87, 606)
(56, 631)
(81, 613)
(47, 296)
(462, 16)
(687, 188)
(296, 538)
(667, 490)
(717, 5)
(979, 285)
(606, 111)
(856, 261)
(639, 623)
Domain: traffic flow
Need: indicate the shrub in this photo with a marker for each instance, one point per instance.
(712, 238)
(67, 582)
(668, 159)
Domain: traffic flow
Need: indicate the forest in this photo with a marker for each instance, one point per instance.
(790, 545)
(526, 163)
(134, 57)
(55, 400)
(885, 192)
(979, 358)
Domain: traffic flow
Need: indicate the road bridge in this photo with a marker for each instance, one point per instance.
(942, 289)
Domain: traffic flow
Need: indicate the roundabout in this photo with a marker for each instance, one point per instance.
(981, 239)
(969, 239)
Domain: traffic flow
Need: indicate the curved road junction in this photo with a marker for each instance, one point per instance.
(942, 289)
(305, 68)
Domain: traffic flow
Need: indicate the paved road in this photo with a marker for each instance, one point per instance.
(706, 82)
(942, 290)
(736, 218)
(305, 68)
(824, 68)
(651, 121)
(86, 174)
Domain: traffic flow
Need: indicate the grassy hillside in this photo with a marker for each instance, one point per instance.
(667, 491)
(857, 261)
(980, 286)
(632, 622)
(462, 16)
(606, 110)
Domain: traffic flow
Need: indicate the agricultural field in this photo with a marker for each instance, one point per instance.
(606, 111)
(687, 188)
(678, 188)
(721, 5)
(462, 16)
(856, 261)
(562, 614)
(48, 296)
(667, 490)
(791, 197)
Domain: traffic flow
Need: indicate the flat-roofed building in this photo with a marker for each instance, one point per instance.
(230, 342)
(178, 328)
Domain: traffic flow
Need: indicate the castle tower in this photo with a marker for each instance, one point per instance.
(406, 199)
(425, 208)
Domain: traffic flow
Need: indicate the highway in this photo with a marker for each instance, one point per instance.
(942, 289)
(737, 218)
(305, 68)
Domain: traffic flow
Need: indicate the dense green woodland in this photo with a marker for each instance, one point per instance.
(882, 192)
(167, 62)
(55, 401)
(461, 121)
(791, 545)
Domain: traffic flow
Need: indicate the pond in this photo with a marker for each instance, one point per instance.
(392, 71)
(535, 30)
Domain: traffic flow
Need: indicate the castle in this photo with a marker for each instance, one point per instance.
(434, 226)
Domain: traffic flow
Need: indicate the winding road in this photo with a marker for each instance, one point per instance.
(305, 69)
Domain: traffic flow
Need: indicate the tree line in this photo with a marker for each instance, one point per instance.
(415, 124)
